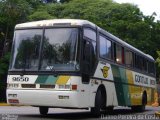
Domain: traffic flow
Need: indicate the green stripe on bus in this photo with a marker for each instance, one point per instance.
(45, 79)
(51, 80)
(41, 79)
(125, 87)
(122, 90)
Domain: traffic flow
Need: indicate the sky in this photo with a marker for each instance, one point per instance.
(146, 6)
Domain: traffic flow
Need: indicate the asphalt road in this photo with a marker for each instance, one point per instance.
(32, 113)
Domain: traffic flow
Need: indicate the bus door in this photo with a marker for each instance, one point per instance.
(86, 61)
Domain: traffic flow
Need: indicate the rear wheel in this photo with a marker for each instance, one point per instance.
(43, 110)
(138, 108)
(141, 108)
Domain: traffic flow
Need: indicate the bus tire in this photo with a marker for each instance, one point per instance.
(138, 108)
(141, 108)
(144, 102)
(109, 109)
(43, 110)
(96, 110)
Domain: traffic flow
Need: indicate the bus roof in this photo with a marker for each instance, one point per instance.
(78, 22)
(53, 22)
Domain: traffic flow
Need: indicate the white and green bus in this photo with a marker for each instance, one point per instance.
(71, 63)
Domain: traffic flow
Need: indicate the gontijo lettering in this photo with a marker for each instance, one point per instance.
(141, 79)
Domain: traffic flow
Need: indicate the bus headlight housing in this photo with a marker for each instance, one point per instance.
(64, 87)
(67, 87)
(12, 85)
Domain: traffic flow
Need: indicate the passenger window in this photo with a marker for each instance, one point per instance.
(105, 48)
(128, 58)
(139, 62)
(118, 53)
(151, 68)
(145, 65)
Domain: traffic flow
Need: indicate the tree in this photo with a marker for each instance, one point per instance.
(123, 20)
(40, 15)
(34, 4)
(4, 64)
(11, 13)
(158, 65)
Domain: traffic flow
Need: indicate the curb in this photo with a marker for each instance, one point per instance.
(157, 114)
(4, 104)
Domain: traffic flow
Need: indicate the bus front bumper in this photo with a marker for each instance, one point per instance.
(71, 99)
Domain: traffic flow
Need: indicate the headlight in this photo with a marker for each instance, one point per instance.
(9, 85)
(66, 87)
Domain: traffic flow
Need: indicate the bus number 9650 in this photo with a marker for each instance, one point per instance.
(20, 79)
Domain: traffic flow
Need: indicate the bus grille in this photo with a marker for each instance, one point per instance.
(28, 86)
(47, 86)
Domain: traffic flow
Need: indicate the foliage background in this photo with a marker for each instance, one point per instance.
(125, 21)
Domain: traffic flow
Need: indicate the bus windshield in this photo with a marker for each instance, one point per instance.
(58, 50)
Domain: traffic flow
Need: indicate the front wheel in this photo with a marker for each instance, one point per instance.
(96, 111)
(43, 110)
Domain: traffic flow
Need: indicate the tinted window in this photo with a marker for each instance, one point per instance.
(145, 65)
(128, 58)
(139, 62)
(151, 68)
(26, 49)
(118, 53)
(60, 49)
(105, 48)
(89, 33)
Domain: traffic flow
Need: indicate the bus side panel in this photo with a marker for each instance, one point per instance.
(121, 86)
(104, 76)
(84, 91)
(111, 94)
(130, 86)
